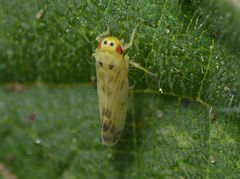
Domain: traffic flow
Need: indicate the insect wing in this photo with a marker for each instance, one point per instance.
(113, 94)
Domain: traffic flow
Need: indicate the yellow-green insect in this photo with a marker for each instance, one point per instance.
(112, 85)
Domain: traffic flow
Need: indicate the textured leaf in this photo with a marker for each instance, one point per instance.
(64, 139)
(183, 123)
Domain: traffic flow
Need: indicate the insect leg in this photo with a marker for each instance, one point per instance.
(136, 65)
(100, 36)
(128, 45)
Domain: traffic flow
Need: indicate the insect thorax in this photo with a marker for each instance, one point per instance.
(108, 58)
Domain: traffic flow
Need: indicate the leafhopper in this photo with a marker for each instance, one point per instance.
(112, 84)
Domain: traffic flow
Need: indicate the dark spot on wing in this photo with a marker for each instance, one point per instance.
(106, 125)
(101, 64)
(111, 67)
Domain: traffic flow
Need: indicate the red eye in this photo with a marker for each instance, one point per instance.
(119, 49)
(100, 44)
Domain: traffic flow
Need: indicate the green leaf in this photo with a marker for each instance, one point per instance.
(182, 124)
(55, 132)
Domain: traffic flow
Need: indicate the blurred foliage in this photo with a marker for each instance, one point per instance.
(192, 46)
(57, 135)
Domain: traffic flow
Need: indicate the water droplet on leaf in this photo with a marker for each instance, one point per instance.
(37, 141)
(212, 159)
(160, 90)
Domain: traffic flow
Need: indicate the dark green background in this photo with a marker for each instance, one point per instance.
(50, 128)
